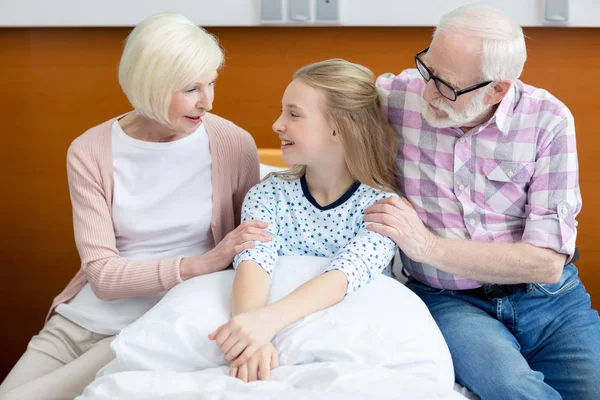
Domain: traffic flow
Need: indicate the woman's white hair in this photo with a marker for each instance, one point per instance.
(163, 54)
(503, 51)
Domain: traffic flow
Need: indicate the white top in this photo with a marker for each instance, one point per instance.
(162, 207)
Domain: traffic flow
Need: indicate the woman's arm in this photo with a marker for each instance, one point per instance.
(111, 276)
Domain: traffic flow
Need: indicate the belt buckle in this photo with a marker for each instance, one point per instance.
(494, 291)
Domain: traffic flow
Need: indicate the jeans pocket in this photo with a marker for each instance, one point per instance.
(568, 281)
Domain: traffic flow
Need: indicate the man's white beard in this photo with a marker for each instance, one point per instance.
(454, 119)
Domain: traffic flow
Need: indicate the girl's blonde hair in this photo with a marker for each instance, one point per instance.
(354, 109)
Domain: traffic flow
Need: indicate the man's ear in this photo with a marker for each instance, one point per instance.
(497, 92)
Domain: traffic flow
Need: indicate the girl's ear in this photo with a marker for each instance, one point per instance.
(335, 137)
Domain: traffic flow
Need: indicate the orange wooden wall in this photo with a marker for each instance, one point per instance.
(56, 83)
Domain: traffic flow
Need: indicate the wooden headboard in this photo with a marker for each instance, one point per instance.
(271, 157)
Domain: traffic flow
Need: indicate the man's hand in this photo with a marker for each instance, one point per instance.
(259, 366)
(397, 219)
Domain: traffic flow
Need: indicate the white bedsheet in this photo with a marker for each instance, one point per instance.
(331, 381)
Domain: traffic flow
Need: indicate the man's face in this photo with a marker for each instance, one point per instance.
(454, 59)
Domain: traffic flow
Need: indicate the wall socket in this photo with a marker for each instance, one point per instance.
(327, 10)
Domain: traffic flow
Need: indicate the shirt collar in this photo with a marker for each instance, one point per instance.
(503, 115)
(505, 111)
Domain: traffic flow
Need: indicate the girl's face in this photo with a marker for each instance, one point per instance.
(306, 135)
(189, 105)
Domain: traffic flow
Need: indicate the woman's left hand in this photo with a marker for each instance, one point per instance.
(244, 335)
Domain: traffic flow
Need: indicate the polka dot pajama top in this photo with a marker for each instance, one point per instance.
(300, 226)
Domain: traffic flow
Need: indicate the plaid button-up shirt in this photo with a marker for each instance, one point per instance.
(511, 179)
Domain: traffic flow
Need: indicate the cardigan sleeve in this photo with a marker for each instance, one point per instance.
(109, 275)
(249, 174)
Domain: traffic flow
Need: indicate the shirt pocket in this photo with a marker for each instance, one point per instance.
(506, 186)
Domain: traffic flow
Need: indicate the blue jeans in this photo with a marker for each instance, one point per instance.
(542, 342)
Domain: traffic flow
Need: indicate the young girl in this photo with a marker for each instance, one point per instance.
(333, 130)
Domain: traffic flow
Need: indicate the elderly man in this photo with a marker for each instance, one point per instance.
(489, 168)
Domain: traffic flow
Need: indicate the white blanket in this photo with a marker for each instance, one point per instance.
(331, 381)
(380, 342)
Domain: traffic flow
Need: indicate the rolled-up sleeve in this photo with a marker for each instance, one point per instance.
(260, 205)
(364, 257)
(554, 198)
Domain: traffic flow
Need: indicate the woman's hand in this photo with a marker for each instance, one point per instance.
(219, 258)
(244, 335)
(259, 366)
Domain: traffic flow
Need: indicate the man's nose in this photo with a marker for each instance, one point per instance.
(430, 92)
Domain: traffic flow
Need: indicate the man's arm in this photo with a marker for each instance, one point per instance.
(481, 261)
(497, 262)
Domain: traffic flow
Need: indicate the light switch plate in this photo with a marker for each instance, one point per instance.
(299, 10)
(271, 10)
(327, 10)
(557, 11)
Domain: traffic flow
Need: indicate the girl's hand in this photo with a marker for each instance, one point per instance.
(219, 258)
(244, 335)
(259, 366)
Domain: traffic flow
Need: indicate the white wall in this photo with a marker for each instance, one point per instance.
(35, 13)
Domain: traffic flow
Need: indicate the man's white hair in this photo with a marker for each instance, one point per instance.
(163, 54)
(503, 51)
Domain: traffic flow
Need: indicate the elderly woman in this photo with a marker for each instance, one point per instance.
(156, 196)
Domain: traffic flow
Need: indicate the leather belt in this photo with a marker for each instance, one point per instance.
(493, 291)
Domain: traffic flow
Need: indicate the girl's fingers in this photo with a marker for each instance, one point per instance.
(235, 351)
(252, 369)
(243, 373)
(264, 366)
(223, 334)
(245, 356)
(228, 344)
(274, 360)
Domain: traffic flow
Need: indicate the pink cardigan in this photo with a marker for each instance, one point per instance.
(235, 169)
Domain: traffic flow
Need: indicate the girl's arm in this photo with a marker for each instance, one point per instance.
(319, 293)
(248, 332)
(254, 267)
(356, 264)
(250, 288)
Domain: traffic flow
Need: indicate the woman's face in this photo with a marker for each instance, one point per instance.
(189, 105)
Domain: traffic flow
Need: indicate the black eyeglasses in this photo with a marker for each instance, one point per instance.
(442, 86)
